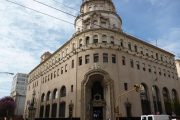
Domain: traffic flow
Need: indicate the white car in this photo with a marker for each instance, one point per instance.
(155, 117)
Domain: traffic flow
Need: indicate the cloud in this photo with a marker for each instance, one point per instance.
(25, 35)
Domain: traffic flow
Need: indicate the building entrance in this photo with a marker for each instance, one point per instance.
(97, 113)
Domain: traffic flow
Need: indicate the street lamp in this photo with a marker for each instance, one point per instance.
(136, 88)
(7, 73)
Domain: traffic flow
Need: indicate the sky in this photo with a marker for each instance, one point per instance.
(25, 34)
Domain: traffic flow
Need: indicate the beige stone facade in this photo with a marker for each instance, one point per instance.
(178, 67)
(85, 77)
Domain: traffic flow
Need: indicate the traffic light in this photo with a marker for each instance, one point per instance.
(137, 87)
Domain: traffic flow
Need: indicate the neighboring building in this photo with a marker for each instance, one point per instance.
(85, 76)
(178, 67)
(18, 92)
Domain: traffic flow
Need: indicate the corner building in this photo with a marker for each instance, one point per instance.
(85, 77)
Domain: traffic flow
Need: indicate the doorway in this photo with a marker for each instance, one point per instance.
(97, 113)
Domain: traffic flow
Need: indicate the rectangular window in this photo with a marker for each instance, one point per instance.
(105, 57)
(149, 68)
(164, 73)
(58, 72)
(135, 48)
(66, 68)
(72, 64)
(154, 69)
(132, 63)
(159, 71)
(87, 59)
(126, 86)
(144, 67)
(71, 88)
(51, 76)
(96, 57)
(112, 42)
(80, 60)
(137, 64)
(121, 43)
(123, 60)
(61, 70)
(54, 74)
(113, 58)
(129, 46)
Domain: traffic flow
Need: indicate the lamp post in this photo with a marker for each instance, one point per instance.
(7, 73)
(117, 109)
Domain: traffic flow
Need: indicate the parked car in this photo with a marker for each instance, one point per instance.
(155, 117)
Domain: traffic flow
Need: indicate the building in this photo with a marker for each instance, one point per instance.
(178, 67)
(86, 76)
(18, 92)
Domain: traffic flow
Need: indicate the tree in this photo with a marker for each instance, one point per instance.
(7, 107)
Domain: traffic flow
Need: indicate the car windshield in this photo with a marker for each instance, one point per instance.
(150, 118)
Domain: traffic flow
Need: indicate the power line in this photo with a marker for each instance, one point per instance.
(65, 13)
(66, 5)
(39, 12)
(55, 8)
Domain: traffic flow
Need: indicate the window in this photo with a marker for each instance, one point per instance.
(113, 58)
(132, 63)
(149, 68)
(73, 46)
(141, 50)
(63, 91)
(147, 52)
(72, 64)
(51, 76)
(144, 67)
(129, 46)
(123, 60)
(66, 68)
(126, 86)
(87, 60)
(121, 43)
(157, 57)
(159, 71)
(58, 72)
(137, 64)
(154, 69)
(135, 48)
(105, 57)
(112, 40)
(96, 57)
(152, 54)
(80, 60)
(54, 74)
(95, 39)
(164, 73)
(61, 70)
(87, 40)
(104, 39)
(80, 43)
(71, 88)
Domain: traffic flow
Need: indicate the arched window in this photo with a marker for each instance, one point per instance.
(95, 39)
(62, 109)
(167, 101)
(156, 100)
(55, 94)
(63, 91)
(104, 39)
(176, 103)
(97, 91)
(145, 103)
(43, 97)
(48, 97)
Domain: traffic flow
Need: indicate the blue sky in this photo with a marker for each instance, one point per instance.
(25, 35)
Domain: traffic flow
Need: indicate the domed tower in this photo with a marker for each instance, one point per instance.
(98, 14)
